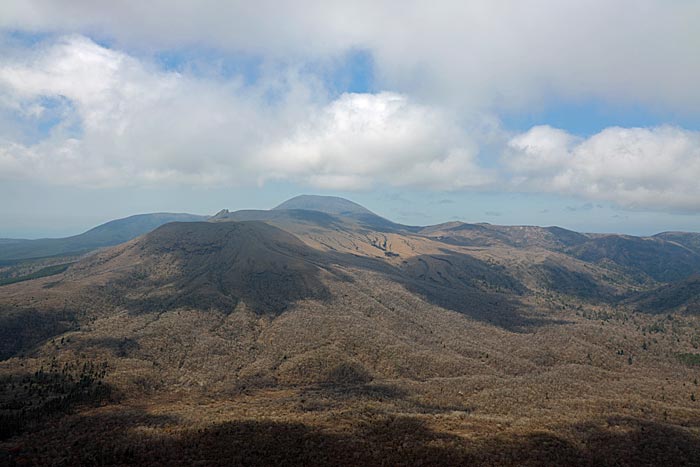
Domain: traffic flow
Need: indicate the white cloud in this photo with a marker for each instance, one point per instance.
(361, 139)
(481, 53)
(134, 123)
(121, 120)
(542, 150)
(126, 122)
(644, 168)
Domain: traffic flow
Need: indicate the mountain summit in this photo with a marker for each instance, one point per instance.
(335, 206)
(328, 204)
(211, 265)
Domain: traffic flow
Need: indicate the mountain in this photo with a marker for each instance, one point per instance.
(682, 296)
(597, 267)
(108, 234)
(328, 204)
(690, 240)
(341, 207)
(645, 258)
(210, 265)
(303, 336)
(551, 238)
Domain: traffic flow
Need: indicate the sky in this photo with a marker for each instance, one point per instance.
(582, 114)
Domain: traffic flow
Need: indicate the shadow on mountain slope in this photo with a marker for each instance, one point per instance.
(324, 397)
(217, 265)
(558, 278)
(29, 400)
(483, 291)
(656, 258)
(133, 437)
(23, 328)
(679, 296)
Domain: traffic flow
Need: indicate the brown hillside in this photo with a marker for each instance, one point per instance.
(316, 339)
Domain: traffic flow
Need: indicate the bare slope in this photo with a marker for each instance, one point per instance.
(313, 338)
(210, 265)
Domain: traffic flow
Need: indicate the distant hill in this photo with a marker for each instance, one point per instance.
(219, 264)
(690, 240)
(327, 204)
(654, 257)
(108, 234)
(336, 206)
(460, 233)
(678, 296)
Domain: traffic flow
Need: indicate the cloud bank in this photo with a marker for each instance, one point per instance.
(79, 112)
(632, 167)
(120, 121)
(483, 53)
(360, 139)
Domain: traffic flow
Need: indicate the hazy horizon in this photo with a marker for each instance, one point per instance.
(544, 114)
(441, 206)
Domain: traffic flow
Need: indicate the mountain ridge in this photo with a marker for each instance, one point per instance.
(108, 234)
